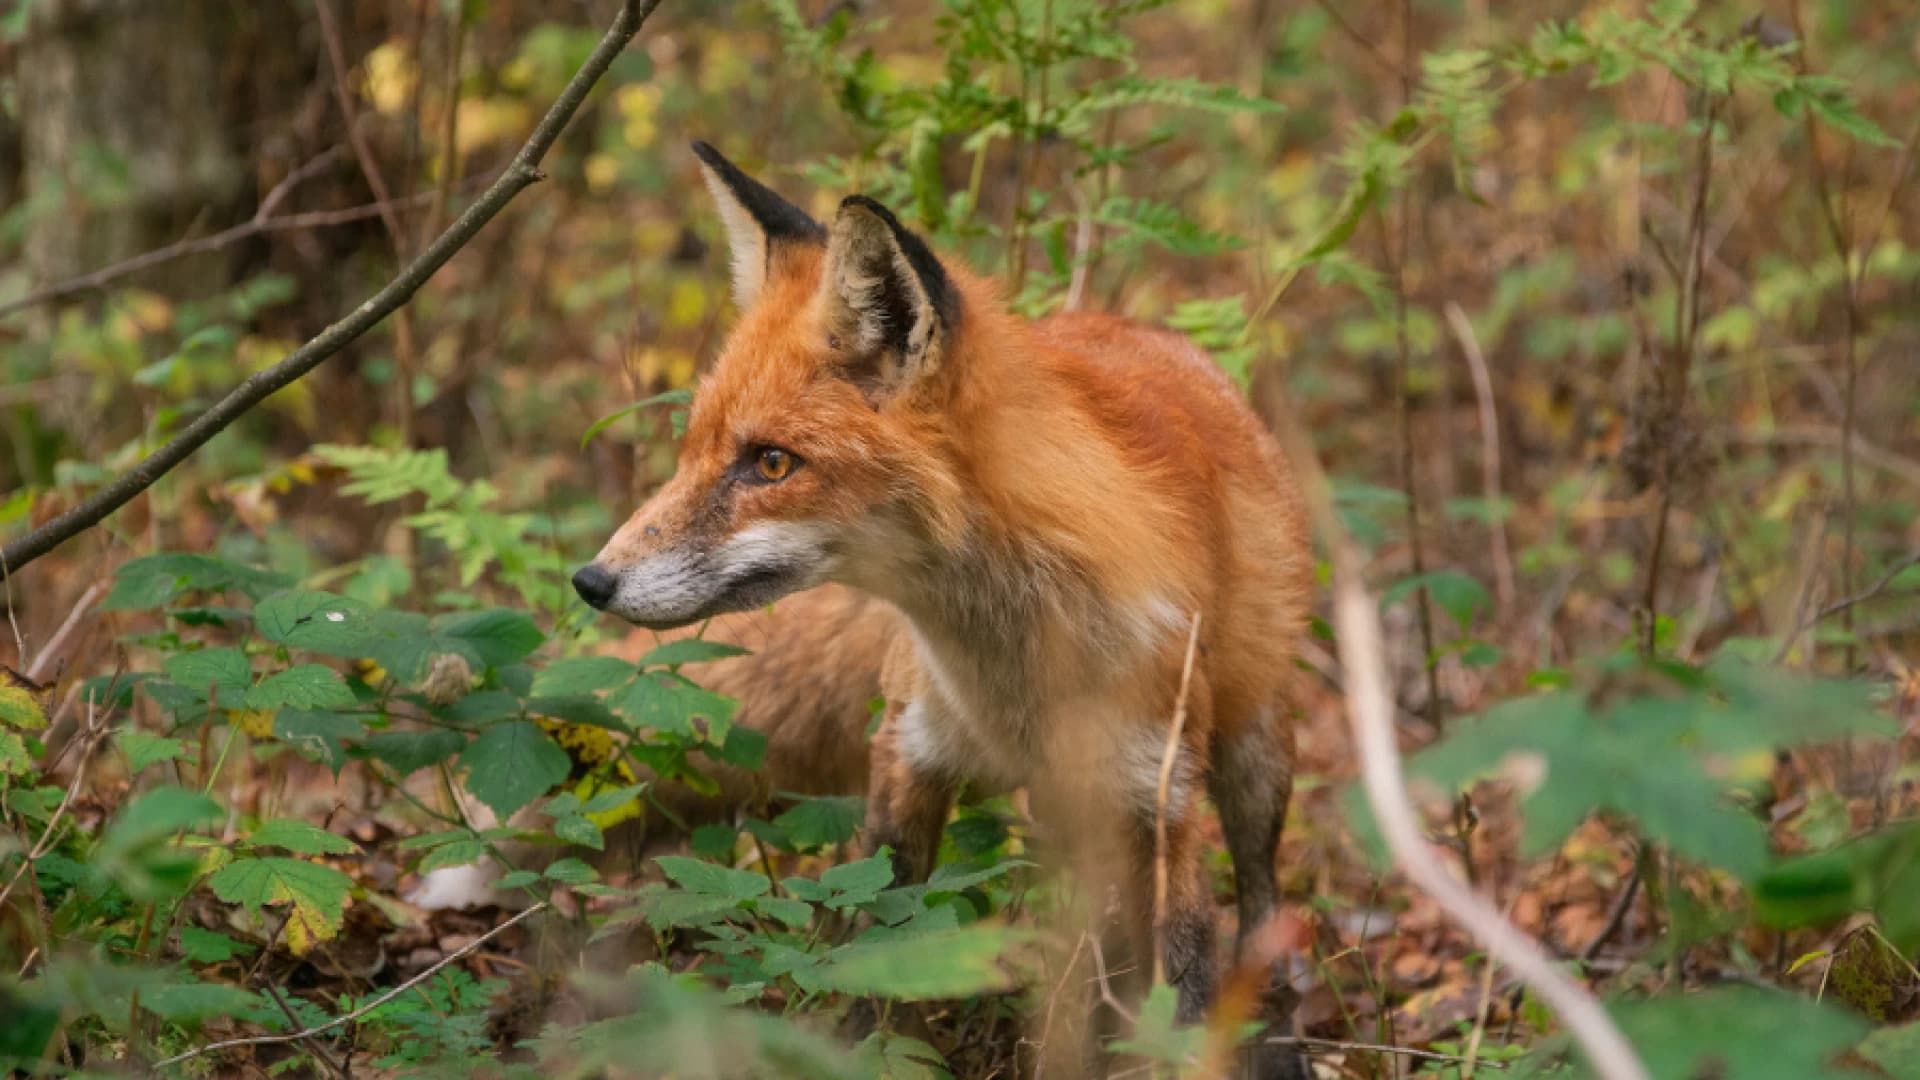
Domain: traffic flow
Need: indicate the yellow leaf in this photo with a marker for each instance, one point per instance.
(19, 710)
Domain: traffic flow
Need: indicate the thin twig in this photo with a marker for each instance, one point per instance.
(1503, 576)
(259, 225)
(1868, 593)
(308, 1033)
(1616, 916)
(1326, 1046)
(334, 1068)
(343, 97)
(52, 648)
(1046, 1026)
(1167, 760)
(1106, 987)
(522, 173)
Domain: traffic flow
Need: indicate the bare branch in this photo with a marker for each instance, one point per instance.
(523, 173)
(308, 1033)
(1322, 1046)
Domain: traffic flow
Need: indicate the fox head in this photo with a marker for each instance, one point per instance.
(815, 444)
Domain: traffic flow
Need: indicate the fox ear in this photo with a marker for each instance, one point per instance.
(757, 221)
(889, 302)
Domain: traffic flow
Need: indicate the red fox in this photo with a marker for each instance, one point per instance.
(1049, 504)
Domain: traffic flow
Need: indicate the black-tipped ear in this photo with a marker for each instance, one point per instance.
(889, 301)
(757, 221)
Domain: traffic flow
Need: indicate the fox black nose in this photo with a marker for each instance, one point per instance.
(595, 585)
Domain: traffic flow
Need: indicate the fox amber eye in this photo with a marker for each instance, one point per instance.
(773, 464)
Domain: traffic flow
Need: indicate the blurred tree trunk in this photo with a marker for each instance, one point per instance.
(125, 141)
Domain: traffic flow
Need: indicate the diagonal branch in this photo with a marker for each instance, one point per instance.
(520, 175)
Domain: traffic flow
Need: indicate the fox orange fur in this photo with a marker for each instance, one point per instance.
(1049, 504)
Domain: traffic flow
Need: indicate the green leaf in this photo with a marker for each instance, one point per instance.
(570, 871)
(188, 1002)
(495, 637)
(575, 829)
(410, 751)
(316, 895)
(143, 749)
(1735, 1033)
(156, 816)
(319, 736)
(221, 673)
(669, 703)
(1837, 111)
(305, 686)
(690, 651)
(707, 879)
(1577, 760)
(821, 821)
(207, 947)
(14, 759)
(1457, 594)
(512, 764)
(1878, 873)
(150, 582)
(1896, 1050)
(1157, 1037)
(581, 675)
(888, 1056)
(301, 837)
(950, 964)
(859, 882)
(321, 622)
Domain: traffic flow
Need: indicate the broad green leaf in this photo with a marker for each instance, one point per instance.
(581, 675)
(821, 821)
(576, 829)
(689, 651)
(320, 736)
(1575, 762)
(19, 710)
(1878, 873)
(495, 637)
(187, 1002)
(220, 673)
(512, 764)
(897, 1057)
(208, 947)
(669, 703)
(570, 871)
(155, 816)
(316, 895)
(709, 879)
(410, 751)
(1456, 593)
(1896, 1050)
(321, 622)
(143, 749)
(1157, 1037)
(958, 963)
(301, 837)
(859, 882)
(305, 686)
(150, 582)
(1738, 1033)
